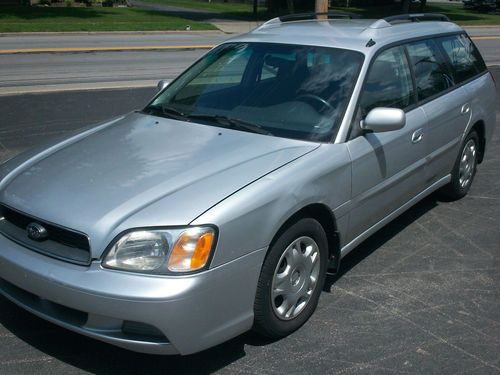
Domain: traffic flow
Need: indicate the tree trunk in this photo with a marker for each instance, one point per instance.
(291, 8)
(322, 7)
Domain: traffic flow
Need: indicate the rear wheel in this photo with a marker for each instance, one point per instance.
(464, 169)
(291, 279)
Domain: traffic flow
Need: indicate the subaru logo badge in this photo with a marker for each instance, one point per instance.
(36, 232)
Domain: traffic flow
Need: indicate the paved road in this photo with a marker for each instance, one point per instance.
(78, 70)
(49, 72)
(111, 39)
(490, 49)
(13, 41)
(10, 41)
(422, 296)
(67, 71)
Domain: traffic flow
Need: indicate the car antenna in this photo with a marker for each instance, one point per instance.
(370, 43)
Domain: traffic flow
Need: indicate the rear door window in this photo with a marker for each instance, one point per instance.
(463, 56)
(431, 71)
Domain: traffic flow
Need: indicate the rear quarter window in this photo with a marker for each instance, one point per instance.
(432, 75)
(463, 56)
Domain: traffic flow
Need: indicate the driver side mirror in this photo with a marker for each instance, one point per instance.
(161, 85)
(384, 120)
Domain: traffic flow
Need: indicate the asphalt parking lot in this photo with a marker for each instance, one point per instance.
(421, 296)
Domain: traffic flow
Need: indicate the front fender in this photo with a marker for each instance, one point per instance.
(249, 219)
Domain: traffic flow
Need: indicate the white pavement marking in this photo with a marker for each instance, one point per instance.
(75, 87)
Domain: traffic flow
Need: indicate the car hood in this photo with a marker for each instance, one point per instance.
(142, 171)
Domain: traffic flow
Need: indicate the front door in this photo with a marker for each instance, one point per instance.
(388, 169)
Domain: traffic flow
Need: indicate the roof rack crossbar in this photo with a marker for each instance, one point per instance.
(314, 15)
(417, 17)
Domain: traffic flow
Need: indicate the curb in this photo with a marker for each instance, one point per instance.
(103, 49)
(156, 32)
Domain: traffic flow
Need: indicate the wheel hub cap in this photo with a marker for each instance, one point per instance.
(295, 278)
(467, 163)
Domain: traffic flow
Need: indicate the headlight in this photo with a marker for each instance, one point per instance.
(162, 251)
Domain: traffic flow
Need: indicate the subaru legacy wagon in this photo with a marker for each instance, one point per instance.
(220, 206)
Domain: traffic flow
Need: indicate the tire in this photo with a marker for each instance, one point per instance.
(464, 170)
(291, 280)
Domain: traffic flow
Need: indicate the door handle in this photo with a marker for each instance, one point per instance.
(465, 109)
(417, 135)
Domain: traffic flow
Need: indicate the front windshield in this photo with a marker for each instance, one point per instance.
(283, 90)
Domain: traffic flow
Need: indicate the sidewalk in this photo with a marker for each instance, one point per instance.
(236, 27)
(219, 20)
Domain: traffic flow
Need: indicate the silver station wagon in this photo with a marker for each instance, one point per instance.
(220, 206)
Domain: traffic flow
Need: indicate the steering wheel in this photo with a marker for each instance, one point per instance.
(314, 100)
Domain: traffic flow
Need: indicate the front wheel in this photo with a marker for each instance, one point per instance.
(291, 279)
(464, 169)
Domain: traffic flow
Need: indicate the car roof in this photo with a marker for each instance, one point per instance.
(351, 34)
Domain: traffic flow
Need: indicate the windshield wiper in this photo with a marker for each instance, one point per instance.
(167, 111)
(172, 111)
(224, 121)
(232, 123)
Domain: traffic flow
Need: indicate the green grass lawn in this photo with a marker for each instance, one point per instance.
(205, 5)
(234, 11)
(26, 19)
(455, 12)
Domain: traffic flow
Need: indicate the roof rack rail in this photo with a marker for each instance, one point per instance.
(417, 17)
(313, 16)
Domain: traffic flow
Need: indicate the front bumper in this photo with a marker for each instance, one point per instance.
(168, 315)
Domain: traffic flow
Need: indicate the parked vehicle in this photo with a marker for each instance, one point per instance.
(221, 205)
(484, 5)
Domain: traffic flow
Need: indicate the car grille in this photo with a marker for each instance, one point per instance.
(62, 243)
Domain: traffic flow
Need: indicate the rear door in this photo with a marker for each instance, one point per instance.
(446, 106)
(387, 168)
(467, 66)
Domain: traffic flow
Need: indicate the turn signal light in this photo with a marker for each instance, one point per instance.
(191, 250)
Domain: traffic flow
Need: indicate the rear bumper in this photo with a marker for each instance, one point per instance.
(170, 315)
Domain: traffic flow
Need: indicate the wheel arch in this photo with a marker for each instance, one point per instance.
(321, 213)
(479, 128)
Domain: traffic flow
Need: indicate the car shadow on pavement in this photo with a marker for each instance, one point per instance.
(379, 238)
(96, 357)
